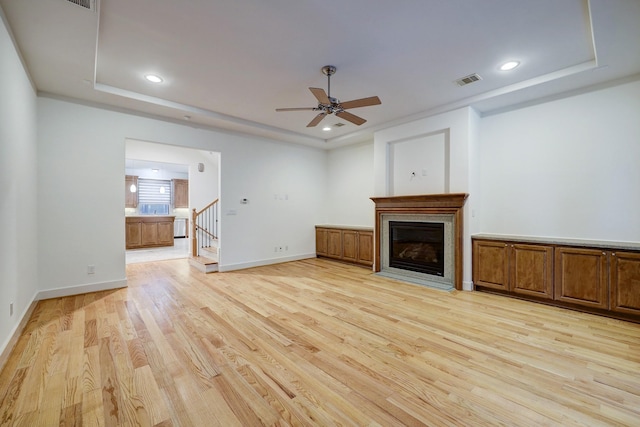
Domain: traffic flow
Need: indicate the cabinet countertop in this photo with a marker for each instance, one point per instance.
(149, 218)
(633, 246)
(345, 227)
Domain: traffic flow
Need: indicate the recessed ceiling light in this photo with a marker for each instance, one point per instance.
(155, 170)
(153, 78)
(326, 128)
(507, 66)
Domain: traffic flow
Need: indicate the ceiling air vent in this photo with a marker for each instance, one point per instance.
(87, 4)
(339, 125)
(468, 79)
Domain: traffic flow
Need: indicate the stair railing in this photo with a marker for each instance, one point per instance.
(204, 227)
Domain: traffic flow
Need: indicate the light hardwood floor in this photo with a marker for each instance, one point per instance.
(310, 343)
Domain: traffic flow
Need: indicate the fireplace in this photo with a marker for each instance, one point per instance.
(417, 246)
(419, 239)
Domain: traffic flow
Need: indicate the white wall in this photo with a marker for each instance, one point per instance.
(82, 151)
(454, 126)
(284, 185)
(419, 165)
(350, 185)
(18, 172)
(567, 168)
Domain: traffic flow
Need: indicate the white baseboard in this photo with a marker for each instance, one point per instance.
(242, 266)
(12, 339)
(81, 289)
(467, 285)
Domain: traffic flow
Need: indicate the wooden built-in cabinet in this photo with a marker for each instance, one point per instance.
(624, 274)
(581, 276)
(180, 193)
(350, 244)
(322, 242)
(514, 267)
(148, 231)
(133, 231)
(603, 280)
(130, 197)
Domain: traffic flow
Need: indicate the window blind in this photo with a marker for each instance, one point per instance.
(154, 191)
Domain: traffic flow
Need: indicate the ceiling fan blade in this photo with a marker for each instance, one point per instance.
(320, 95)
(317, 119)
(296, 109)
(363, 102)
(351, 117)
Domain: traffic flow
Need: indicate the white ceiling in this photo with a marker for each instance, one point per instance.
(229, 64)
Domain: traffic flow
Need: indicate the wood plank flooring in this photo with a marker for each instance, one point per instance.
(314, 343)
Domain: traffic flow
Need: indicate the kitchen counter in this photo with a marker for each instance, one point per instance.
(148, 231)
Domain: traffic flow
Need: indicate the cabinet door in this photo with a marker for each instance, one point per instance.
(133, 235)
(350, 245)
(365, 247)
(334, 243)
(181, 193)
(625, 282)
(490, 264)
(531, 270)
(581, 277)
(149, 233)
(321, 241)
(165, 233)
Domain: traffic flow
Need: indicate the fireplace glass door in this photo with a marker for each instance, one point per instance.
(417, 246)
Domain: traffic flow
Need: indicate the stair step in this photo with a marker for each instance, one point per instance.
(204, 264)
(210, 252)
(213, 250)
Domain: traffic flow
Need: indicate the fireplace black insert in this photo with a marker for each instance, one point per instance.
(417, 246)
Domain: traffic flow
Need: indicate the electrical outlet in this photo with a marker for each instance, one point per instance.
(91, 269)
(10, 309)
(275, 249)
(286, 248)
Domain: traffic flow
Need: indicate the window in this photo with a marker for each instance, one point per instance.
(154, 196)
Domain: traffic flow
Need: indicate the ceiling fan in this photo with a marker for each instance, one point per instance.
(329, 105)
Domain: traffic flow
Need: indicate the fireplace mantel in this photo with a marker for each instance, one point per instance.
(431, 204)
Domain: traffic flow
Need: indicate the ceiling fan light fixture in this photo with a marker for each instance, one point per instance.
(153, 78)
(328, 104)
(510, 65)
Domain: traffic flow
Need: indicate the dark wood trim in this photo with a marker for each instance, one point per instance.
(430, 204)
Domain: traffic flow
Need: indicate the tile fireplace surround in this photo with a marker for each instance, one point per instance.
(447, 208)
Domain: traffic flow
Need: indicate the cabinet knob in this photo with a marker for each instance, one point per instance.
(613, 254)
(604, 253)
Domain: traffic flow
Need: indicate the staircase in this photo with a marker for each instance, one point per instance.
(204, 238)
